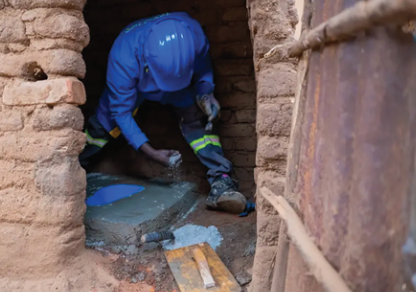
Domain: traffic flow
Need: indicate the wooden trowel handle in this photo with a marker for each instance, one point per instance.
(202, 262)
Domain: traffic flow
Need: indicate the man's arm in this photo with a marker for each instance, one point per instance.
(122, 77)
(203, 73)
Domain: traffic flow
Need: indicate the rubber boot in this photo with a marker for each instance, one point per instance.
(225, 196)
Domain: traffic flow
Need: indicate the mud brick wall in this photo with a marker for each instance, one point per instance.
(42, 186)
(271, 23)
(226, 25)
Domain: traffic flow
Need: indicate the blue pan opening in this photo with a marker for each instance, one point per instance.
(113, 193)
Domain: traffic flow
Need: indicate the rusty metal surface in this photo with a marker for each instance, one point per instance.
(357, 158)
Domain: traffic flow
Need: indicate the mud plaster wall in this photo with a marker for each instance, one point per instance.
(272, 22)
(226, 25)
(42, 186)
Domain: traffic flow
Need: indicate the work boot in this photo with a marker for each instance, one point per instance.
(225, 196)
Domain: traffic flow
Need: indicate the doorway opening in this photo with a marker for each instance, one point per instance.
(225, 24)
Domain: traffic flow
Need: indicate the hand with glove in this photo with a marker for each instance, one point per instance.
(210, 106)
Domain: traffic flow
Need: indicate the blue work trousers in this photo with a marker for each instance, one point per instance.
(206, 145)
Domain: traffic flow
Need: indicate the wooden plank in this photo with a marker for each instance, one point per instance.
(186, 271)
(201, 260)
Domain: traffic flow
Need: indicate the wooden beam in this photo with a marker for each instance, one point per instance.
(362, 16)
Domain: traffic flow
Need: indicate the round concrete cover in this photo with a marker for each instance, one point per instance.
(110, 194)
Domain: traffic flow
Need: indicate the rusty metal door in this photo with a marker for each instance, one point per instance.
(357, 156)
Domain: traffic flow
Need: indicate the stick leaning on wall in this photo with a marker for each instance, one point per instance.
(324, 273)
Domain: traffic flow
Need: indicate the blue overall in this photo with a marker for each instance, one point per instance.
(130, 82)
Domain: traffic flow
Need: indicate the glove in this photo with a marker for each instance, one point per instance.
(209, 105)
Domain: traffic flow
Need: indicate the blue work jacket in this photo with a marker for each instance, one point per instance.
(130, 82)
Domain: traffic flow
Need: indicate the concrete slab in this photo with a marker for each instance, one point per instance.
(123, 222)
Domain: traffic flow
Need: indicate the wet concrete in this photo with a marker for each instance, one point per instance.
(123, 222)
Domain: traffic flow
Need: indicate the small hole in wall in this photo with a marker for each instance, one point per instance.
(33, 72)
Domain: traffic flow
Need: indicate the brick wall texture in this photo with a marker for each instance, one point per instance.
(42, 186)
(226, 25)
(272, 22)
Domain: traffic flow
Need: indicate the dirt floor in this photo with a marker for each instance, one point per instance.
(148, 271)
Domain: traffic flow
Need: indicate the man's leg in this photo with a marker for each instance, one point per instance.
(206, 145)
(97, 138)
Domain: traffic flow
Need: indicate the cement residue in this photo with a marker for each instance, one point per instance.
(175, 160)
(101, 176)
(193, 234)
(96, 181)
(175, 173)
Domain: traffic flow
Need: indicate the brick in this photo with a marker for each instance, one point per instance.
(43, 13)
(267, 227)
(129, 11)
(222, 85)
(32, 146)
(225, 84)
(271, 148)
(50, 44)
(27, 206)
(233, 68)
(3, 83)
(248, 144)
(235, 50)
(246, 84)
(262, 45)
(16, 47)
(62, 26)
(273, 25)
(237, 100)
(39, 248)
(10, 120)
(274, 119)
(272, 180)
(238, 130)
(247, 188)
(242, 159)
(243, 174)
(31, 4)
(60, 176)
(16, 174)
(278, 80)
(202, 4)
(4, 48)
(162, 6)
(238, 116)
(224, 34)
(12, 27)
(210, 17)
(244, 116)
(235, 14)
(226, 115)
(58, 117)
(60, 62)
(56, 91)
(263, 264)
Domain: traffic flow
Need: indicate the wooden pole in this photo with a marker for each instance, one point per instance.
(363, 15)
(324, 273)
